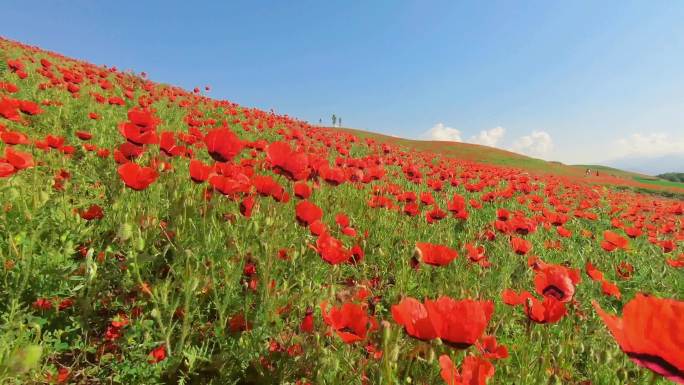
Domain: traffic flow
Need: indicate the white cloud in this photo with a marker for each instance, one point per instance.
(649, 145)
(490, 137)
(537, 144)
(441, 132)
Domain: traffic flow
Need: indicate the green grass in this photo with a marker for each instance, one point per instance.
(612, 171)
(660, 182)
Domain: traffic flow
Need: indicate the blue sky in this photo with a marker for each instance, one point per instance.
(575, 81)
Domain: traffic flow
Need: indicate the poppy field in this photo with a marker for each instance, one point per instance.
(153, 235)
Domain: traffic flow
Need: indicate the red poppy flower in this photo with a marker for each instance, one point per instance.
(426, 198)
(247, 205)
(459, 322)
(413, 316)
(6, 169)
(238, 323)
(317, 228)
(350, 321)
(233, 187)
(93, 212)
(223, 145)
(54, 141)
(610, 289)
(667, 245)
(633, 232)
(612, 241)
(563, 232)
(157, 354)
(9, 109)
(550, 310)
(137, 136)
(307, 324)
(42, 304)
(331, 249)
(199, 172)
(294, 165)
(474, 371)
(307, 212)
(342, 220)
(510, 297)
(556, 281)
(84, 135)
(624, 270)
(19, 160)
(29, 108)
(593, 272)
(435, 215)
(145, 119)
(9, 87)
(137, 177)
(13, 138)
(436, 255)
(521, 246)
(302, 190)
(357, 254)
(475, 254)
(676, 263)
(490, 349)
(411, 209)
(651, 333)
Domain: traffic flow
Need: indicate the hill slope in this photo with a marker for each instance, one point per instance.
(608, 176)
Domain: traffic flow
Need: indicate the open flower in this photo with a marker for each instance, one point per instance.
(556, 281)
(612, 241)
(137, 177)
(350, 321)
(459, 322)
(651, 333)
(413, 316)
(521, 246)
(474, 371)
(436, 255)
(223, 145)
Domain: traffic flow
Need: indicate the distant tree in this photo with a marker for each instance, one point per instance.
(320, 122)
(339, 122)
(334, 119)
(672, 176)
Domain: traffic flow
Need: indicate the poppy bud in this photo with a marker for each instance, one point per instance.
(125, 231)
(621, 375)
(603, 356)
(140, 244)
(386, 333)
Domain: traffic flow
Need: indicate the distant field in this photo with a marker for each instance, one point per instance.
(495, 156)
(614, 171)
(660, 182)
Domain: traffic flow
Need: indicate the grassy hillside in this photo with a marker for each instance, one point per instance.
(608, 176)
(153, 235)
(613, 171)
